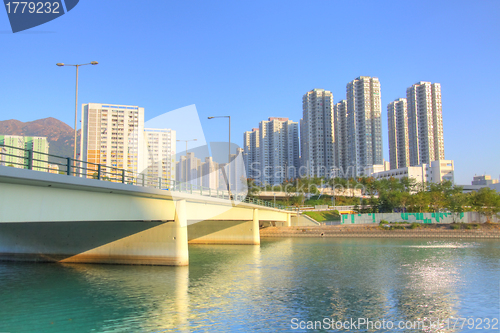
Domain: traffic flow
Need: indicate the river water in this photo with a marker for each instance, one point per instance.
(282, 285)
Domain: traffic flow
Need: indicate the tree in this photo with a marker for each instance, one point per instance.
(409, 184)
(419, 202)
(298, 200)
(253, 189)
(456, 203)
(404, 200)
(487, 202)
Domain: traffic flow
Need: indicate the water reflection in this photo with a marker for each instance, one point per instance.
(258, 288)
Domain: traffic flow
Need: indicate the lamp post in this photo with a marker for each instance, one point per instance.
(186, 141)
(60, 64)
(228, 156)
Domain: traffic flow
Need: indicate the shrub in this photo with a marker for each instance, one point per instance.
(383, 222)
(455, 226)
(415, 225)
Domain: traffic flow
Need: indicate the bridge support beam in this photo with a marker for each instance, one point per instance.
(165, 244)
(226, 231)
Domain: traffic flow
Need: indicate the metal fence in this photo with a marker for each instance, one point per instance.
(38, 161)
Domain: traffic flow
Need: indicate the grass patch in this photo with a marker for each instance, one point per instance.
(398, 227)
(323, 216)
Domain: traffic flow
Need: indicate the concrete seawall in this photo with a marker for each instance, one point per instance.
(428, 218)
(374, 232)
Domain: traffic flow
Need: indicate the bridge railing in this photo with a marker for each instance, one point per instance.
(39, 161)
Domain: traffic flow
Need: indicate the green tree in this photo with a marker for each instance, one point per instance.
(419, 202)
(487, 202)
(253, 188)
(297, 200)
(456, 203)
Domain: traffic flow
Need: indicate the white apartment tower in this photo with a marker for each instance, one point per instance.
(397, 118)
(113, 135)
(189, 169)
(160, 159)
(271, 152)
(363, 125)
(425, 123)
(251, 154)
(15, 154)
(279, 150)
(210, 173)
(340, 126)
(317, 134)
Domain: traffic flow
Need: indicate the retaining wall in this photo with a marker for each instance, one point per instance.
(375, 218)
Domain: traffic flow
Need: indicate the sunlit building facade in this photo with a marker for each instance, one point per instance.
(317, 134)
(397, 118)
(17, 146)
(425, 123)
(160, 159)
(271, 152)
(363, 124)
(113, 135)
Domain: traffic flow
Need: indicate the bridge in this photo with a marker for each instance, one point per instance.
(49, 217)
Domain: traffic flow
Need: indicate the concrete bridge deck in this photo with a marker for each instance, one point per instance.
(51, 217)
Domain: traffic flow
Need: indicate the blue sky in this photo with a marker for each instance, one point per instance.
(255, 59)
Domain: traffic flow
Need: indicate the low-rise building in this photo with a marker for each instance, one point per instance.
(484, 180)
(435, 172)
(495, 187)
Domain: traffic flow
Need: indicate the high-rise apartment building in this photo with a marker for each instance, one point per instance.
(397, 118)
(363, 125)
(113, 135)
(271, 153)
(251, 154)
(13, 155)
(425, 123)
(317, 134)
(160, 159)
(210, 173)
(340, 129)
(189, 169)
(17, 146)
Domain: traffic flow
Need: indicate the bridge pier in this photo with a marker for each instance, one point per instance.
(180, 253)
(256, 226)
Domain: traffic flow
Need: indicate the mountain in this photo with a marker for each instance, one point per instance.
(59, 134)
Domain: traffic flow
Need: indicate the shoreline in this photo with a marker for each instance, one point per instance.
(374, 231)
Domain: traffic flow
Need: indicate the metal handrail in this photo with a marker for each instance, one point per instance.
(78, 168)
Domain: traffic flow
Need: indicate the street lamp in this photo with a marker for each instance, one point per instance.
(186, 141)
(228, 156)
(60, 64)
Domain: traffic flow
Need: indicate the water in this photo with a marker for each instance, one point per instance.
(251, 288)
